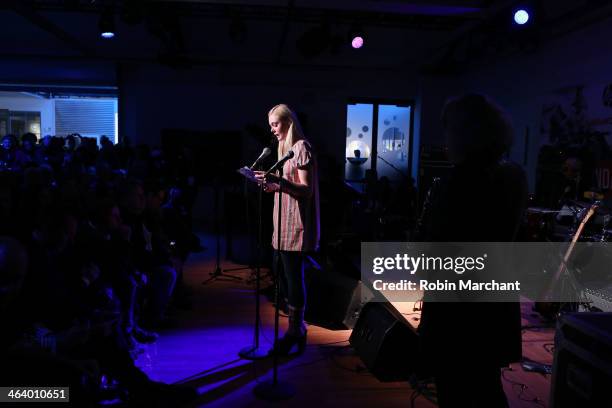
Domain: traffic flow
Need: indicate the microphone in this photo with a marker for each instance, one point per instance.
(563, 200)
(280, 163)
(265, 153)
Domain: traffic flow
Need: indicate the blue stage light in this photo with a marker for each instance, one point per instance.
(106, 25)
(521, 16)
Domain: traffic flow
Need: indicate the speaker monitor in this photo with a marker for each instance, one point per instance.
(385, 342)
(582, 367)
(334, 300)
(360, 297)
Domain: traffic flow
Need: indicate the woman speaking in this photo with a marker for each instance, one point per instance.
(299, 224)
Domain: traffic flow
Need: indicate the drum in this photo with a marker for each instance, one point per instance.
(539, 223)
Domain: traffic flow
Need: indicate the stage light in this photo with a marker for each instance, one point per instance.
(521, 16)
(357, 42)
(356, 36)
(107, 24)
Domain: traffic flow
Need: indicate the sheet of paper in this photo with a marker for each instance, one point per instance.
(248, 173)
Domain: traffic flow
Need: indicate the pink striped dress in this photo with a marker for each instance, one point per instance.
(300, 230)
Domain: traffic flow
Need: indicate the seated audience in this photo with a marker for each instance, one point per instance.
(87, 261)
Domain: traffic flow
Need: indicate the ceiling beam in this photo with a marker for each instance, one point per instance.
(285, 31)
(25, 11)
(392, 13)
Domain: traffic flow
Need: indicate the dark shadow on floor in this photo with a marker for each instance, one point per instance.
(235, 377)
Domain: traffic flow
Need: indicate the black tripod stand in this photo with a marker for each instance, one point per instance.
(251, 266)
(218, 272)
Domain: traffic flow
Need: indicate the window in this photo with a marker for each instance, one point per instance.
(4, 121)
(21, 122)
(378, 138)
(358, 141)
(58, 110)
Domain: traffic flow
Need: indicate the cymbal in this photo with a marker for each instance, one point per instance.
(541, 210)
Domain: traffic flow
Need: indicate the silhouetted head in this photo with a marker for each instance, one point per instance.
(477, 131)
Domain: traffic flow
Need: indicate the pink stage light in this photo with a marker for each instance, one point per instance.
(357, 42)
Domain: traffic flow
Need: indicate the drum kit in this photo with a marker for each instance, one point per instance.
(586, 222)
(560, 225)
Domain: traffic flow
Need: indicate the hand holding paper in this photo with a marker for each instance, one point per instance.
(269, 182)
(249, 174)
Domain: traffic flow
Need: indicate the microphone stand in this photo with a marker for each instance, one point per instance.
(276, 390)
(254, 352)
(218, 272)
(250, 266)
(392, 166)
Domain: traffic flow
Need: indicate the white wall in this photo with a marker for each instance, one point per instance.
(21, 102)
(51, 75)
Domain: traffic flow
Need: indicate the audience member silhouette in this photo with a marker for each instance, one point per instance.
(482, 200)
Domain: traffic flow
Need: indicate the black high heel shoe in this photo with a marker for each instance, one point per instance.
(284, 345)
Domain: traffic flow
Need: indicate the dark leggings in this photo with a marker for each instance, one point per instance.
(292, 277)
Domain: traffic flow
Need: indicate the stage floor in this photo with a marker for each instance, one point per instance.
(202, 351)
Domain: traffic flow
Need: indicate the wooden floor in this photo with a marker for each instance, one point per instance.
(202, 351)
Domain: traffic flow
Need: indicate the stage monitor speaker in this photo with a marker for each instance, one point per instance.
(582, 367)
(334, 300)
(385, 342)
(361, 296)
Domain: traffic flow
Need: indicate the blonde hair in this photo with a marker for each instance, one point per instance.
(294, 133)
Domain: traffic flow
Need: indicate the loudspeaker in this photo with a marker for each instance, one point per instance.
(582, 367)
(361, 296)
(385, 342)
(333, 300)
